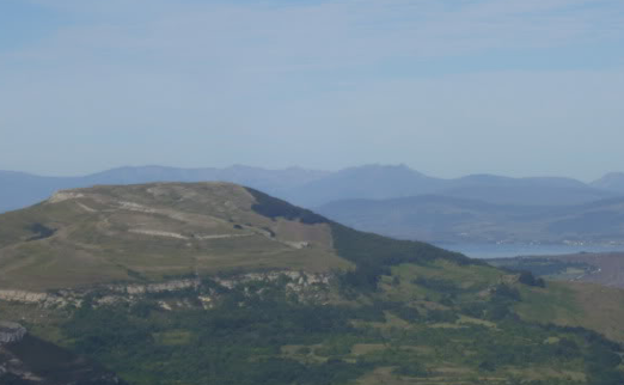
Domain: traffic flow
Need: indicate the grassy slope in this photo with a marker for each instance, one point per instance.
(576, 304)
(97, 239)
(568, 301)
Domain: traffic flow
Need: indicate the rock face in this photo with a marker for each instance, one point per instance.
(306, 286)
(11, 332)
(45, 299)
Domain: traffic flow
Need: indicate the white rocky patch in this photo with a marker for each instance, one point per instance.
(131, 206)
(86, 208)
(157, 233)
(222, 236)
(304, 285)
(64, 196)
(296, 245)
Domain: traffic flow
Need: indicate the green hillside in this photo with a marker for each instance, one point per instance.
(149, 232)
(158, 289)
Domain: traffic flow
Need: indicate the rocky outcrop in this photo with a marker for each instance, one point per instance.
(297, 277)
(11, 332)
(169, 286)
(60, 299)
(62, 196)
(302, 284)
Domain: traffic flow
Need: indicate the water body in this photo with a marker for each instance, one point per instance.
(486, 251)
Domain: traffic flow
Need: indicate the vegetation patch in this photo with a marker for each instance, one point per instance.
(544, 267)
(257, 334)
(374, 254)
(173, 337)
(41, 231)
(273, 208)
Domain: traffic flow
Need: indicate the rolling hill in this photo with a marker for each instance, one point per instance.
(445, 219)
(103, 234)
(173, 283)
(523, 191)
(377, 182)
(370, 181)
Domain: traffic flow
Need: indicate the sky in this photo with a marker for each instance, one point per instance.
(448, 87)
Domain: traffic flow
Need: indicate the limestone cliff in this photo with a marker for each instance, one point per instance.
(306, 286)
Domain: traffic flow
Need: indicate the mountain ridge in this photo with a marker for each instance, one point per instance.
(311, 188)
(90, 235)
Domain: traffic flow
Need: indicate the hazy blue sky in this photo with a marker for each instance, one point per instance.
(449, 87)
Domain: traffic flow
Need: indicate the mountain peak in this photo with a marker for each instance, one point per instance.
(613, 181)
(377, 167)
(100, 234)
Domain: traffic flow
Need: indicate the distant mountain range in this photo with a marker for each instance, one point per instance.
(313, 188)
(18, 190)
(386, 182)
(395, 200)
